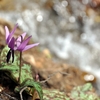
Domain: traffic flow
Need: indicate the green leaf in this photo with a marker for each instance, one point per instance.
(3, 57)
(33, 85)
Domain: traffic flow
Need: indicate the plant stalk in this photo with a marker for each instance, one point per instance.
(20, 68)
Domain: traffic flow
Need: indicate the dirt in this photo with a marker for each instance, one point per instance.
(53, 75)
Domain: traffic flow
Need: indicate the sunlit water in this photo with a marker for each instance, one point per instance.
(63, 27)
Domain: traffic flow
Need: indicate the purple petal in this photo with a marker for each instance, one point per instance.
(12, 32)
(7, 33)
(23, 44)
(12, 43)
(18, 41)
(30, 46)
(23, 35)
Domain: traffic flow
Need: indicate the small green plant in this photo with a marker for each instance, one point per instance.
(12, 63)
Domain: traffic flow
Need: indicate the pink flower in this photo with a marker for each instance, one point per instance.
(17, 44)
(22, 46)
(9, 34)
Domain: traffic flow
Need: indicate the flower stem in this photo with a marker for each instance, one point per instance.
(20, 68)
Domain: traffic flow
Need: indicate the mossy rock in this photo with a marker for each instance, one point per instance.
(84, 92)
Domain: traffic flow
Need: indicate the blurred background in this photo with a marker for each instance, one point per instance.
(69, 29)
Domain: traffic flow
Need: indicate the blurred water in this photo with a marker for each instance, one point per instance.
(64, 27)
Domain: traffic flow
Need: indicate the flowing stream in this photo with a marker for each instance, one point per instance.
(70, 29)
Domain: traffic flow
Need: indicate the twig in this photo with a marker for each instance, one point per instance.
(51, 75)
(13, 98)
(21, 97)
